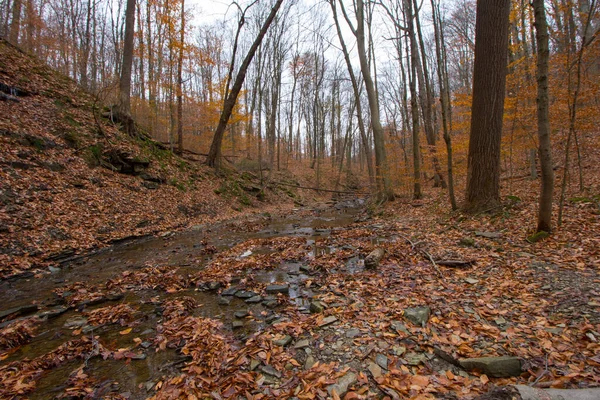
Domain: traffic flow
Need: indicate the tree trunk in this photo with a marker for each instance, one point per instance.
(15, 24)
(180, 82)
(125, 81)
(214, 153)
(545, 146)
(381, 166)
(489, 78)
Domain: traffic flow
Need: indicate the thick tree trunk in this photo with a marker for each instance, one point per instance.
(545, 147)
(214, 153)
(15, 24)
(489, 78)
(125, 81)
(180, 82)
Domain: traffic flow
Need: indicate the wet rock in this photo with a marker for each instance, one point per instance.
(224, 301)
(54, 270)
(241, 314)
(328, 321)
(277, 289)
(269, 370)
(213, 285)
(287, 339)
(145, 345)
(243, 294)
(271, 303)
(374, 369)
(289, 366)
(316, 307)
(373, 259)
(230, 291)
(400, 327)
(417, 315)
(341, 387)
(305, 268)
(19, 311)
(382, 361)
(352, 333)
(237, 324)
(496, 367)
(141, 356)
(53, 313)
(76, 322)
(253, 300)
(415, 358)
(301, 344)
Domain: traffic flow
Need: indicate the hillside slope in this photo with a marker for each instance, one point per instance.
(70, 180)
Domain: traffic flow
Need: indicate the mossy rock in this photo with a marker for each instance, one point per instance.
(536, 237)
(467, 242)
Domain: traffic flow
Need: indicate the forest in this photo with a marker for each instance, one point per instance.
(302, 199)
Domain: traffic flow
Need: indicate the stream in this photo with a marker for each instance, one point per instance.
(135, 378)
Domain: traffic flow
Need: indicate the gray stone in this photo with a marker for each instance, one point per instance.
(145, 344)
(414, 358)
(316, 307)
(243, 294)
(241, 314)
(19, 311)
(255, 299)
(54, 270)
(269, 370)
(328, 321)
(352, 333)
(489, 235)
(382, 361)
(300, 344)
(400, 327)
(398, 350)
(496, 367)
(310, 361)
(76, 322)
(472, 281)
(305, 268)
(271, 303)
(214, 285)
(341, 387)
(277, 289)
(254, 364)
(230, 291)
(53, 313)
(417, 315)
(237, 324)
(224, 301)
(374, 369)
(529, 393)
(287, 339)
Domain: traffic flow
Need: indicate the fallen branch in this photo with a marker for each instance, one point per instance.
(425, 253)
(456, 263)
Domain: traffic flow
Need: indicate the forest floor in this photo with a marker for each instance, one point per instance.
(128, 273)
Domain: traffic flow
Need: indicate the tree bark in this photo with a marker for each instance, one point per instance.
(125, 81)
(214, 154)
(15, 24)
(545, 147)
(489, 79)
(180, 82)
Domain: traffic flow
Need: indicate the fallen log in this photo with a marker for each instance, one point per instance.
(455, 263)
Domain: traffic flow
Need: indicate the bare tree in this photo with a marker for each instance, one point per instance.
(214, 153)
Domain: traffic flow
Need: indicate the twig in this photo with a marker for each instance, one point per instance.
(425, 253)
(542, 374)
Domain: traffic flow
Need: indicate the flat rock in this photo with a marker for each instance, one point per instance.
(352, 333)
(400, 327)
(489, 235)
(414, 358)
(237, 324)
(230, 291)
(382, 361)
(241, 314)
(255, 299)
(224, 301)
(54, 312)
(417, 315)
(471, 281)
(310, 361)
(271, 289)
(19, 310)
(213, 285)
(341, 387)
(496, 367)
(374, 369)
(254, 364)
(301, 344)
(328, 321)
(76, 322)
(287, 339)
(529, 393)
(316, 307)
(269, 370)
(243, 294)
